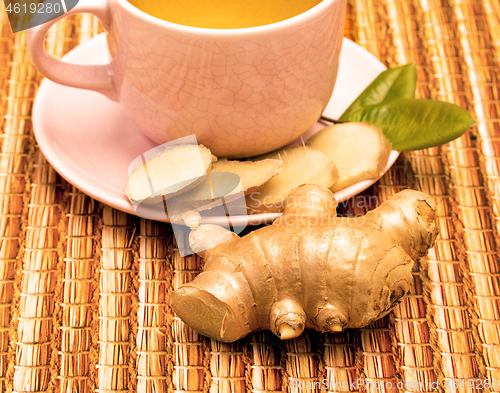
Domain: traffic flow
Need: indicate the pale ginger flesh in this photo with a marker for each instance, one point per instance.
(309, 269)
(360, 151)
(174, 170)
(226, 181)
(300, 165)
(253, 174)
(232, 178)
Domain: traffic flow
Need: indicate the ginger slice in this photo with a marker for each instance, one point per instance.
(253, 174)
(360, 151)
(230, 180)
(215, 190)
(301, 165)
(213, 187)
(174, 170)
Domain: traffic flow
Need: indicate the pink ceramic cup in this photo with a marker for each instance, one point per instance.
(242, 92)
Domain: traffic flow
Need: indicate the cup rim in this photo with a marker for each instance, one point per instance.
(284, 24)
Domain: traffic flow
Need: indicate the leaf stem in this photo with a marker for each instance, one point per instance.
(327, 119)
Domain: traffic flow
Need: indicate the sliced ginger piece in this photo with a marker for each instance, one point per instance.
(174, 170)
(253, 174)
(301, 165)
(214, 186)
(230, 180)
(231, 177)
(216, 189)
(360, 151)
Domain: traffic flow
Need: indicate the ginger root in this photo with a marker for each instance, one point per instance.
(309, 269)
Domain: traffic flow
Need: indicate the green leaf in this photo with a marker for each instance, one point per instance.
(399, 82)
(412, 124)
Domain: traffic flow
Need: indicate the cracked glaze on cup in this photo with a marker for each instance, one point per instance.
(242, 92)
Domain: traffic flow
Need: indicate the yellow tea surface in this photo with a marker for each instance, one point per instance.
(224, 14)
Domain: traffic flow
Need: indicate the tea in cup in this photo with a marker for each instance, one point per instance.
(224, 14)
(246, 77)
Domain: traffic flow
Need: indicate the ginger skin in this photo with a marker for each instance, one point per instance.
(309, 269)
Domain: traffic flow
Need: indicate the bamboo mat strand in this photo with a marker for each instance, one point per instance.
(115, 302)
(412, 327)
(227, 367)
(77, 361)
(454, 315)
(341, 370)
(265, 353)
(154, 351)
(371, 28)
(36, 346)
(12, 194)
(482, 70)
(492, 11)
(37, 307)
(6, 43)
(301, 364)
(190, 360)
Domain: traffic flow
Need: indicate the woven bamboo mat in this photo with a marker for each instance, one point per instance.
(84, 289)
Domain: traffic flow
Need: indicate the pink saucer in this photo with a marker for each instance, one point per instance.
(91, 143)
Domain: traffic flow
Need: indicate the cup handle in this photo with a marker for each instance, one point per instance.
(90, 77)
